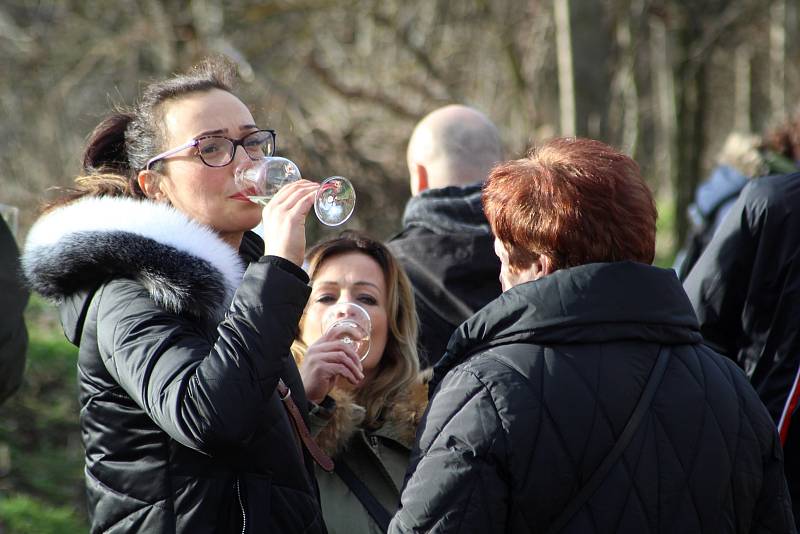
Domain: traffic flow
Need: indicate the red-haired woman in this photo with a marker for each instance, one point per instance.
(582, 399)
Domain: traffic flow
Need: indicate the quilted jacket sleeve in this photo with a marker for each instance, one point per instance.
(454, 482)
(773, 510)
(204, 394)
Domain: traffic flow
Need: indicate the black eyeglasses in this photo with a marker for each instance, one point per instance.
(218, 150)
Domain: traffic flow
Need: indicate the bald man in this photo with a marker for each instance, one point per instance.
(446, 245)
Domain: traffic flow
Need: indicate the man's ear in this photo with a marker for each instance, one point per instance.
(419, 179)
(150, 184)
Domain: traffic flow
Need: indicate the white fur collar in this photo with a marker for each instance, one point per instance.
(73, 247)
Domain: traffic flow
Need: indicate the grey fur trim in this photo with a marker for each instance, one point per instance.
(177, 281)
(88, 254)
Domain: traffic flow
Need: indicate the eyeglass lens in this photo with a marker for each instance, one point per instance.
(219, 151)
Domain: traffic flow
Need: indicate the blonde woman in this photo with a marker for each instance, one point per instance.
(365, 414)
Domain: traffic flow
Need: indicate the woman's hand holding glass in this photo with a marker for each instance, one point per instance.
(260, 180)
(285, 220)
(325, 361)
(344, 344)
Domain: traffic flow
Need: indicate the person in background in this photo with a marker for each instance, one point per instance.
(446, 244)
(781, 147)
(745, 289)
(365, 416)
(743, 157)
(184, 320)
(582, 400)
(13, 299)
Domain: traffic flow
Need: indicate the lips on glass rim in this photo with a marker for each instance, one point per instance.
(242, 195)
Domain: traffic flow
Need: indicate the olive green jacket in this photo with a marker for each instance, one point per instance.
(377, 457)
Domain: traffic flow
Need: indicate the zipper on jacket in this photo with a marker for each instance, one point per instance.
(374, 442)
(241, 506)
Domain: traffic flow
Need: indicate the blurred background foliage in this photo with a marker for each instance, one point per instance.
(343, 82)
(41, 456)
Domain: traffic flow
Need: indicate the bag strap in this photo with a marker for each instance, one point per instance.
(623, 440)
(361, 491)
(322, 459)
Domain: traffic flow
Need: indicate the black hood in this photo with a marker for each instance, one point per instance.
(594, 303)
(448, 210)
(184, 266)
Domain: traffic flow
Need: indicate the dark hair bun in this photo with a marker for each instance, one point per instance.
(105, 149)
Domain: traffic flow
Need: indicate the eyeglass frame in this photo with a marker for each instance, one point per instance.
(196, 141)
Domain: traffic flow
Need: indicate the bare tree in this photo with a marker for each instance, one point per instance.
(343, 81)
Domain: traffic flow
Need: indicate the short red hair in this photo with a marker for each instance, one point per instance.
(576, 201)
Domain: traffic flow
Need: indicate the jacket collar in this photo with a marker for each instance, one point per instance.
(399, 422)
(593, 303)
(185, 266)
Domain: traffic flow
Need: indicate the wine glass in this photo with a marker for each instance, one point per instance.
(259, 180)
(350, 323)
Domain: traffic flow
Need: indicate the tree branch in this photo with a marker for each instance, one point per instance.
(359, 94)
(403, 35)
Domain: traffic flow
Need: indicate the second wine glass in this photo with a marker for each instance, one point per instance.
(260, 180)
(350, 323)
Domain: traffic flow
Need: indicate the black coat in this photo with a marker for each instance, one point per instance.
(745, 289)
(13, 299)
(183, 429)
(539, 385)
(447, 249)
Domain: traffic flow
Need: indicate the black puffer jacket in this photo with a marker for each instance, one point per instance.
(447, 249)
(182, 426)
(745, 289)
(540, 383)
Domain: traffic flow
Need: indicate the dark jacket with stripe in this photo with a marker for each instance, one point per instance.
(745, 289)
(535, 389)
(178, 364)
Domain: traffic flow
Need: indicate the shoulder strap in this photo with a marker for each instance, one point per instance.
(623, 440)
(319, 456)
(360, 490)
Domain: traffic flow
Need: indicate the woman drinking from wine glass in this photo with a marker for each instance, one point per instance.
(364, 413)
(184, 319)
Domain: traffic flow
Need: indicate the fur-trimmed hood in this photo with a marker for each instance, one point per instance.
(400, 419)
(185, 266)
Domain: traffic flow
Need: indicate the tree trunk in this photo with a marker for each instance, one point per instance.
(624, 116)
(593, 53)
(690, 138)
(665, 116)
(743, 89)
(566, 79)
(777, 59)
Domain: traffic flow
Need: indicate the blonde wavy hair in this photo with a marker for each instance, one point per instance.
(398, 369)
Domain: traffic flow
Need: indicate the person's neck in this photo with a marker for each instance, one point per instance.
(234, 239)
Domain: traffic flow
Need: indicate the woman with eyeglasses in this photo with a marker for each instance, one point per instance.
(192, 408)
